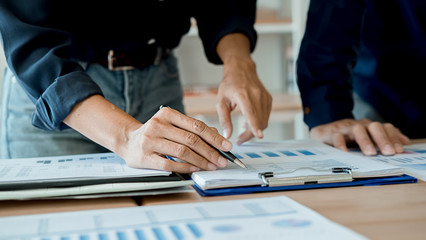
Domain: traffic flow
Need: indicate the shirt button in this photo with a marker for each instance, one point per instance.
(307, 110)
(151, 41)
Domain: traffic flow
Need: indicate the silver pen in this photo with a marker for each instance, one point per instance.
(231, 157)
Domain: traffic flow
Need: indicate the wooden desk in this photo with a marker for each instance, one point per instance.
(377, 212)
(14, 208)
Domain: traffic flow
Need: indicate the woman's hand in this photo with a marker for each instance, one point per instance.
(173, 134)
(167, 133)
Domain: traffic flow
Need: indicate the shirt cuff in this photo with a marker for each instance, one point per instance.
(55, 104)
(235, 24)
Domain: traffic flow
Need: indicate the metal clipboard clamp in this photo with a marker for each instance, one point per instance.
(333, 175)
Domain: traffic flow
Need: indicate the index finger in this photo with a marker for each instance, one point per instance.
(224, 114)
(197, 127)
(250, 113)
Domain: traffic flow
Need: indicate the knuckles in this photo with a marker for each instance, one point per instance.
(198, 126)
(165, 111)
(182, 151)
(154, 124)
(388, 125)
(192, 139)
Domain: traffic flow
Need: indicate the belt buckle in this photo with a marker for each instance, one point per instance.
(112, 59)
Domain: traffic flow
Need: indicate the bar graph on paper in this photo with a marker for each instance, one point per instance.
(71, 166)
(277, 153)
(258, 218)
(413, 160)
(179, 232)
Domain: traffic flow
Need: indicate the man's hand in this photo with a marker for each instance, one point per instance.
(365, 133)
(241, 87)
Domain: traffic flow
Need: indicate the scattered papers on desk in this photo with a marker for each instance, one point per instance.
(291, 158)
(413, 160)
(84, 175)
(258, 218)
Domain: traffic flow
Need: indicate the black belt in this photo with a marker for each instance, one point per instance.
(128, 60)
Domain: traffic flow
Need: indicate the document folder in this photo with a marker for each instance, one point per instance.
(70, 182)
(259, 189)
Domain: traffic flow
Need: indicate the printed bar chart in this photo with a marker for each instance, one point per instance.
(277, 153)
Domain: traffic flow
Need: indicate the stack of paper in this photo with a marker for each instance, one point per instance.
(78, 175)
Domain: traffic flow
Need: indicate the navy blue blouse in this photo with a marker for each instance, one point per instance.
(45, 41)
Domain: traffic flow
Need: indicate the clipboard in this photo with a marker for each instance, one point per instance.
(344, 180)
(295, 165)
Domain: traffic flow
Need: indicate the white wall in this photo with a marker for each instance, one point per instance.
(2, 66)
(196, 71)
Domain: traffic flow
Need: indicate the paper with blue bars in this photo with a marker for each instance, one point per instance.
(413, 159)
(257, 218)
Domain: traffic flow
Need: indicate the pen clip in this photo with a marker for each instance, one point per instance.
(342, 170)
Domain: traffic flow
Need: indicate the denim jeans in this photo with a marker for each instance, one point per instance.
(138, 92)
(363, 109)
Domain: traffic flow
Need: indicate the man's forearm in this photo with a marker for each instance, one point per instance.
(234, 45)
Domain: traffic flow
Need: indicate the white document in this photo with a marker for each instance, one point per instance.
(413, 160)
(260, 218)
(86, 166)
(80, 175)
(292, 158)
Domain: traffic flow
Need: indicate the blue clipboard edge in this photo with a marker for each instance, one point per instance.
(258, 189)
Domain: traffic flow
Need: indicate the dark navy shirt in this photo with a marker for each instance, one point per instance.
(45, 41)
(373, 47)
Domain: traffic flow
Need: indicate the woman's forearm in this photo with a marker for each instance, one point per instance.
(102, 122)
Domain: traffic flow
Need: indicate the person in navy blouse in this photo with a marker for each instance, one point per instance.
(99, 70)
(361, 73)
